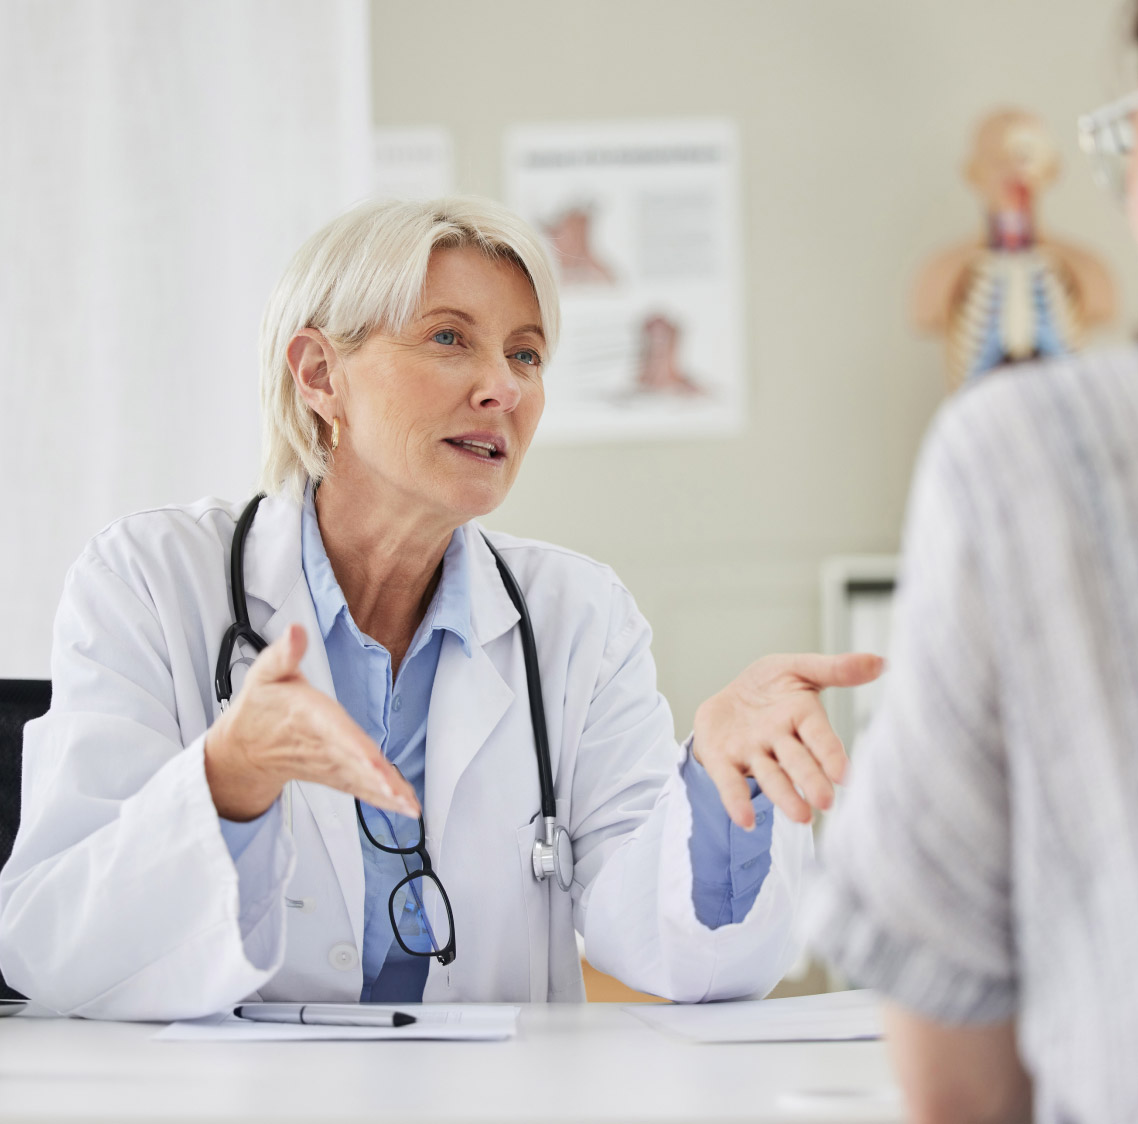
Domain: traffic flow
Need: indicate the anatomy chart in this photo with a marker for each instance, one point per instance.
(643, 221)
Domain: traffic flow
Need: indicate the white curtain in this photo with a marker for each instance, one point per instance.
(160, 160)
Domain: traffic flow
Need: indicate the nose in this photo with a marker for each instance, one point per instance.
(497, 387)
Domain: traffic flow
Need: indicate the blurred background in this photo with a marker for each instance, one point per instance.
(162, 159)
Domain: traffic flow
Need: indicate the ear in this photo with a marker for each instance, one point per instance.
(311, 358)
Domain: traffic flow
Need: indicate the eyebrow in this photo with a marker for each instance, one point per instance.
(449, 312)
(465, 316)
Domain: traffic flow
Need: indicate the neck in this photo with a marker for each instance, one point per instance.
(1011, 229)
(387, 563)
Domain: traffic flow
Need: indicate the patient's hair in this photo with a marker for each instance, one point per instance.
(366, 271)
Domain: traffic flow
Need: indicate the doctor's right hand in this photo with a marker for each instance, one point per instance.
(280, 728)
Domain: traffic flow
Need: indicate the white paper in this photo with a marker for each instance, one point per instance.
(436, 1021)
(836, 1017)
(643, 222)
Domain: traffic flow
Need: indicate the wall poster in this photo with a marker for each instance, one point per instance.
(643, 220)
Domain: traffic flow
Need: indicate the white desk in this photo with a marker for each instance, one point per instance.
(593, 1063)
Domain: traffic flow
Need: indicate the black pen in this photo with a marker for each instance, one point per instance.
(323, 1014)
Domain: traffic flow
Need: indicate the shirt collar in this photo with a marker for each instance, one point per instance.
(449, 608)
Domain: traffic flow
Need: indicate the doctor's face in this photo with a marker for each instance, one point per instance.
(439, 417)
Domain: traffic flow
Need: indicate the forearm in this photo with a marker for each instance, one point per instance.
(88, 921)
(958, 1074)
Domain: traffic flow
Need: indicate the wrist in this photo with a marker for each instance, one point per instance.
(240, 792)
(698, 723)
(692, 750)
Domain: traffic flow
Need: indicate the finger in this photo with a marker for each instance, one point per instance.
(378, 790)
(281, 659)
(373, 779)
(850, 669)
(776, 785)
(733, 791)
(804, 771)
(360, 769)
(376, 785)
(816, 733)
(402, 793)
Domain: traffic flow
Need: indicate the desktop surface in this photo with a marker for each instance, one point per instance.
(588, 1063)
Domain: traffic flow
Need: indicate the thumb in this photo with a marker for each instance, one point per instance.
(281, 659)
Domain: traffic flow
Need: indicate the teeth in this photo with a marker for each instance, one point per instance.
(481, 447)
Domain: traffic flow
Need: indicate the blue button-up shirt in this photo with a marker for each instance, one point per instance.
(393, 712)
(728, 864)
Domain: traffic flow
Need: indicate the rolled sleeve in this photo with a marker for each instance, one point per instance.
(728, 863)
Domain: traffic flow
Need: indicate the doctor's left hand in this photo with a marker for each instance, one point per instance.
(769, 723)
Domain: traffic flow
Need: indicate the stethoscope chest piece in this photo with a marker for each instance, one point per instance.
(553, 854)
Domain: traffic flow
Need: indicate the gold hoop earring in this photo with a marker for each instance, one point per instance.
(335, 434)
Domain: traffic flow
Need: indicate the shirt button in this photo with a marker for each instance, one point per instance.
(343, 957)
(397, 703)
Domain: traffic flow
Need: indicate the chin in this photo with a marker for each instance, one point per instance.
(473, 505)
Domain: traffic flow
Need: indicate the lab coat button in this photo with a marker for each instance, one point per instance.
(343, 957)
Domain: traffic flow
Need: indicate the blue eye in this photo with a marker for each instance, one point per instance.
(526, 356)
(446, 336)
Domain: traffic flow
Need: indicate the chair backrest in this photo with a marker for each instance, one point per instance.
(21, 700)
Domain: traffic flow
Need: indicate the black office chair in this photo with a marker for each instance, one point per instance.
(21, 700)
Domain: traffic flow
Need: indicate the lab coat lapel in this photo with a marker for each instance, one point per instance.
(274, 574)
(469, 696)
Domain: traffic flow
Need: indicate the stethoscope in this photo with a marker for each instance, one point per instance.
(552, 851)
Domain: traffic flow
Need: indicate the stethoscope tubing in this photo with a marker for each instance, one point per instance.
(241, 629)
(533, 685)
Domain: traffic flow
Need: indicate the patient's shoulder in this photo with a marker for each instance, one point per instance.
(1066, 422)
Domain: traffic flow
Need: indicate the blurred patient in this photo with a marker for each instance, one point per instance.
(983, 871)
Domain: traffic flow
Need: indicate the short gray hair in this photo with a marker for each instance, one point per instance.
(366, 271)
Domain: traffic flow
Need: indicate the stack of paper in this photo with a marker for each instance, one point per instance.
(840, 1016)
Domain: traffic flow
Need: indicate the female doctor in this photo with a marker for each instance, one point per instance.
(360, 823)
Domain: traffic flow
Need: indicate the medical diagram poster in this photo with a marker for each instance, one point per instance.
(643, 223)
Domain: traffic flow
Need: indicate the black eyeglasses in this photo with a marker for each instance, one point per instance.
(409, 920)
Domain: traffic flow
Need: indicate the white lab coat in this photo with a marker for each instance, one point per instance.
(121, 899)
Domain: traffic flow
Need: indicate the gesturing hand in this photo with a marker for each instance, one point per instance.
(769, 723)
(280, 728)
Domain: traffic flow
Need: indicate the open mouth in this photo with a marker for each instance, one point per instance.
(487, 450)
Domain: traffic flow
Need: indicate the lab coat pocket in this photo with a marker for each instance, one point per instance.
(535, 894)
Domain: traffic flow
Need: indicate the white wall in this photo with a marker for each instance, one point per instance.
(160, 164)
(855, 116)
